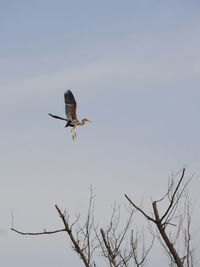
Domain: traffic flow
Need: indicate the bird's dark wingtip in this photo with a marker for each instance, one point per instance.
(68, 92)
(69, 97)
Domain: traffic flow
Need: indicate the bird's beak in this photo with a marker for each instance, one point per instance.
(88, 120)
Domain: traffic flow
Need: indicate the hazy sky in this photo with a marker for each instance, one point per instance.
(134, 67)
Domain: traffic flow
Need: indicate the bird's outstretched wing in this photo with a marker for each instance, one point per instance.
(70, 105)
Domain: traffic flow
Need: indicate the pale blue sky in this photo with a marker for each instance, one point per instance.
(134, 67)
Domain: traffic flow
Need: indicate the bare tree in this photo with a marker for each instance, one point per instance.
(115, 243)
(173, 216)
(120, 244)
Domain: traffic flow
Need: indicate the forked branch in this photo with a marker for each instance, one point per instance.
(174, 196)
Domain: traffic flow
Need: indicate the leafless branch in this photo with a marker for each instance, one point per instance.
(39, 233)
(135, 247)
(109, 250)
(139, 209)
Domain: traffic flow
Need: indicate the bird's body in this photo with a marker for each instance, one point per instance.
(70, 111)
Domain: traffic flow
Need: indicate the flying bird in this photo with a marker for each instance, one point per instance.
(70, 111)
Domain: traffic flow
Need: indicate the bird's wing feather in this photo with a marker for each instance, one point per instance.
(70, 105)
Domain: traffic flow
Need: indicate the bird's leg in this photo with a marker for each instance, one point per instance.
(74, 126)
(57, 117)
(73, 135)
(72, 131)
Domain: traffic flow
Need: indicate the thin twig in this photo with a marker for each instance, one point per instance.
(172, 199)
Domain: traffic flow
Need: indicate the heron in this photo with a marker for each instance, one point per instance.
(70, 111)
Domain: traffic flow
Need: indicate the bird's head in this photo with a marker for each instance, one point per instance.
(83, 121)
(86, 120)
